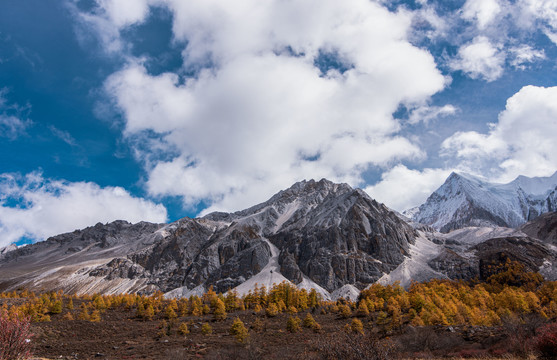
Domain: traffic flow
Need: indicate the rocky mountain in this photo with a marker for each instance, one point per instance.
(316, 234)
(543, 227)
(464, 200)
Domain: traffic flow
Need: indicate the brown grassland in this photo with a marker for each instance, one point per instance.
(511, 315)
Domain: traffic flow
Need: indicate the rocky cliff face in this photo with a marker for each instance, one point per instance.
(347, 239)
(464, 200)
(543, 228)
(316, 234)
(327, 235)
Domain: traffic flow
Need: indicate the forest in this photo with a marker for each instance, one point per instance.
(512, 313)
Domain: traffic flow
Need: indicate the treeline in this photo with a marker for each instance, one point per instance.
(511, 291)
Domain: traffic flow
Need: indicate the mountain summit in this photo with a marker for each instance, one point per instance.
(464, 200)
(316, 234)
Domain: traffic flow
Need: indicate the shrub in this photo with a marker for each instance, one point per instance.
(257, 325)
(164, 329)
(546, 341)
(347, 346)
(15, 338)
(316, 327)
(206, 329)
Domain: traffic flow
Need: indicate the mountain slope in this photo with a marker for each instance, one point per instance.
(316, 234)
(464, 200)
(544, 228)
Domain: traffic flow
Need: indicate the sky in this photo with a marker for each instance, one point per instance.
(153, 110)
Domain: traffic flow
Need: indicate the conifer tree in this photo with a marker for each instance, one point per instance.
(356, 326)
(293, 324)
(84, 313)
(95, 316)
(219, 313)
(309, 321)
(169, 312)
(56, 307)
(344, 311)
(239, 331)
(272, 310)
(183, 330)
(70, 304)
(149, 313)
(363, 309)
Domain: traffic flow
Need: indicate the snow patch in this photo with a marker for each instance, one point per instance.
(268, 276)
(309, 284)
(348, 291)
(184, 292)
(415, 267)
(287, 214)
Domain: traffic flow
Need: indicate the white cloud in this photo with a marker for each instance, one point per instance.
(11, 123)
(537, 14)
(63, 135)
(522, 142)
(123, 13)
(524, 55)
(483, 12)
(542, 10)
(108, 18)
(50, 207)
(401, 188)
(12, 127)
(480, 59)
(428, 113)
(264, 115)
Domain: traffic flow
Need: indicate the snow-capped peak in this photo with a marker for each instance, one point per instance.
(466, 200)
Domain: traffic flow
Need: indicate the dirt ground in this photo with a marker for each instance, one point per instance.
(120, 336)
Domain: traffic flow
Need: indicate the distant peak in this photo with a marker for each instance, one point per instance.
(464, 176)
(323, 184)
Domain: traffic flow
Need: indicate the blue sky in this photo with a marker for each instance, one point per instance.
(159, 109)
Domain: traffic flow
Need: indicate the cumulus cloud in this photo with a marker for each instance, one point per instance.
(266, 113)
(521, 142)
(525, 55)
(108, 18)
(402, 188)
(539, 14)
(34, 207)
(480, 59)
(483, 12)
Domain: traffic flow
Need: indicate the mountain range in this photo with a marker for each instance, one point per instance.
(464, 200)
(316, 234)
